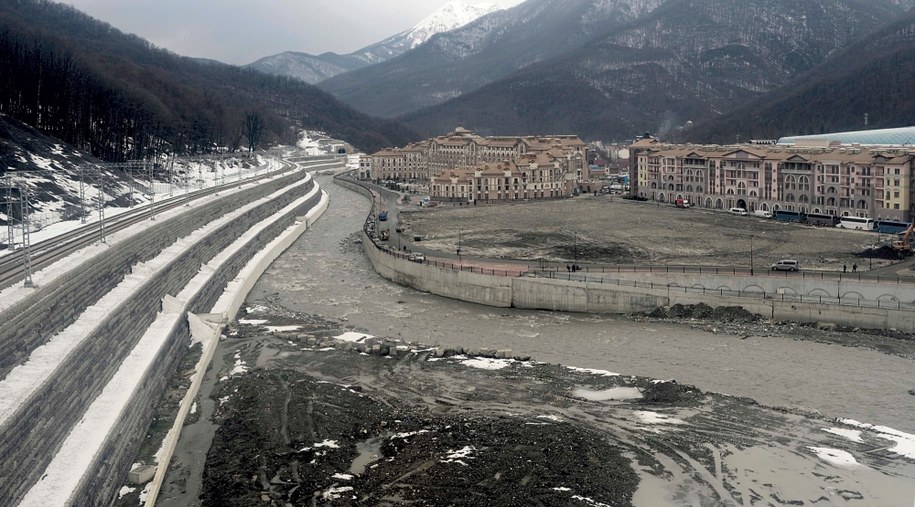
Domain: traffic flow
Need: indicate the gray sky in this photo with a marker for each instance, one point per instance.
(241, 31)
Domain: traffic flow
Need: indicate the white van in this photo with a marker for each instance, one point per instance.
(785, 265)
(762, 214)
(738, 211)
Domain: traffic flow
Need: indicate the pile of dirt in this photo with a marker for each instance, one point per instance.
(286, 438)
(702, 311)
(884, 252)
(670, 393)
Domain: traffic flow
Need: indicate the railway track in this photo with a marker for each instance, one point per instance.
(47, 252)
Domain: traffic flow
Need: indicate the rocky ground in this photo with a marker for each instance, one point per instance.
(306, 419)
(609, 229)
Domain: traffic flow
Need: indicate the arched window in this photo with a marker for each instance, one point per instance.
(804, 199)
(831, 201)
(804, 183)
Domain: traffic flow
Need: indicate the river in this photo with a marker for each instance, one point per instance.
(325, 274)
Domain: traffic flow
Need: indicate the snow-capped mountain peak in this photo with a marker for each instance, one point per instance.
(452, 15)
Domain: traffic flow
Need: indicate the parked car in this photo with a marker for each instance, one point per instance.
(762, 214)
(786, 265)
(417, 257)
(738, 211)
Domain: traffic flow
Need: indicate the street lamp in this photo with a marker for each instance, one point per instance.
(751, 255)
(460, 236)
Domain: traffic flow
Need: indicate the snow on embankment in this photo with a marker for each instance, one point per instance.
(81, 448)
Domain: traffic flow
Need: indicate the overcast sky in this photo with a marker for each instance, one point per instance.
(241, 31)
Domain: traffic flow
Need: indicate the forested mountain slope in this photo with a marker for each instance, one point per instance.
(688, 60)
(118, 97)
(874, 77)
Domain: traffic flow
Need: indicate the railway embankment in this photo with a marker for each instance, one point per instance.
(34, 431)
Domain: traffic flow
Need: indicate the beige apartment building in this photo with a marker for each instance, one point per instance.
(462, 149)
(546, 175)
(837, 180)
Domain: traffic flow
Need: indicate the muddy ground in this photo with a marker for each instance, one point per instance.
(307, 420)
(611, 230)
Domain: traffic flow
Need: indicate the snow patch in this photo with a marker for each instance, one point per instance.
(905, 442)
(335, 493)
(853, 435)
(252, 322)
(602, 373)
(459, 455)
(835, 457)
(350, 336)
(409, 434)
(649, 417)
(126, 490)
(612, 394)
(484, 363)
(330, 444)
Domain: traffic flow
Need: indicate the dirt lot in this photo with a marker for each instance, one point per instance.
(613, 230)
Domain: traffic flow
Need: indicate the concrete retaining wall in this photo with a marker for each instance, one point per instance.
(224, 311)
(120, 449)
(828, 286)
(53, 307)
(593, 297)
(34, 433)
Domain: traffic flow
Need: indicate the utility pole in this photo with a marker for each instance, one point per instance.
(101, 211)
(152, 187)
(10, 230)
(26, 240)
(82, 194)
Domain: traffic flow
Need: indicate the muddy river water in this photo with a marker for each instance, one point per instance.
(325, 274)
(314, 276)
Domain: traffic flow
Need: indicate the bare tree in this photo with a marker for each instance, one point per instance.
(254, 127)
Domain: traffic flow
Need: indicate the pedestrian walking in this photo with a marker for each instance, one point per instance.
(845, 268)
(854, 268)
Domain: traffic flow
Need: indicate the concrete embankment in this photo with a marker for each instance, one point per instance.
(30, 438)
(619, 294)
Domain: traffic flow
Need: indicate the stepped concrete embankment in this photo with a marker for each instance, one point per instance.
(112, 464)
(32, 435)
(843, 300)
(54, 306)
